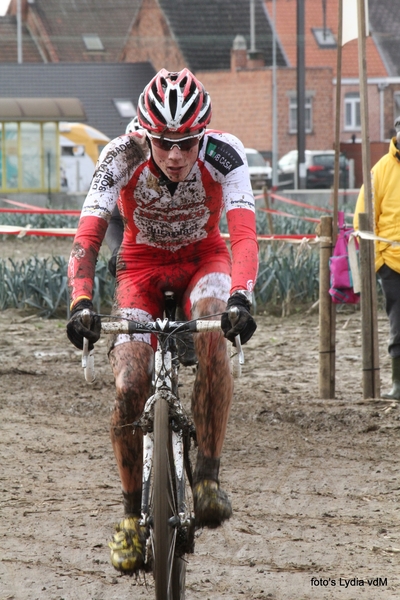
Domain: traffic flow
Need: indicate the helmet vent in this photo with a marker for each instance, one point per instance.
(173, 102)
(158, 115)
(156, 93)
(191, 111)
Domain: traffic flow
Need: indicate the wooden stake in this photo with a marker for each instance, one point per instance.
(369, 329)
(369, 324)
(327, 315)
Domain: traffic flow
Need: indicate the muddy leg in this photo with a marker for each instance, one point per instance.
(132, 365)
(212, 393)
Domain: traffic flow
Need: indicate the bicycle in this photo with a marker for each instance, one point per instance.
(168, 433)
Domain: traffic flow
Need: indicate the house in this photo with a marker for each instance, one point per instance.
(231, 57)
(199, 35)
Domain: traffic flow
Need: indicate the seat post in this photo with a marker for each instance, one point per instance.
(169, 305)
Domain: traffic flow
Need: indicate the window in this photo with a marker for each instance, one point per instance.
(396, 99)
(30, 161)
(352, 115)
(324, 38)
(293, 115)
(11, 155)
(125, 108)
(29, 156)
(51, 162)
(92, 42)
(1, 155)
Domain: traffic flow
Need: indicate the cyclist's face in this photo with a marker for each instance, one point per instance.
(175, 163)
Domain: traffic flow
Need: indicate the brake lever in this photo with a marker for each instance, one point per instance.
(87, 356)
(233, 315)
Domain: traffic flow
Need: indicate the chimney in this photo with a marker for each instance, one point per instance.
(255, 59)
(13, 8)
(239, 53)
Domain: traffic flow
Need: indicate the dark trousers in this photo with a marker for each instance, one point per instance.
(390, 281)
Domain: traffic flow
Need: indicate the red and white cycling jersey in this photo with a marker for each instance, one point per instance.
(166, 224)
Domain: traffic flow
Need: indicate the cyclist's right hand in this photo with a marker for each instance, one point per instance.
(244, 324)
(76, 330)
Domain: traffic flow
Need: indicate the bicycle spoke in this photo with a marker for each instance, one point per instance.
(171, 557)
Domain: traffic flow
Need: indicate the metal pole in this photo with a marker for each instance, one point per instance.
(336, 178)
(365, 146)
(381, 88)
(274, 102)
(301, 166)
(19, 32)
(252, 27)
(49, 178)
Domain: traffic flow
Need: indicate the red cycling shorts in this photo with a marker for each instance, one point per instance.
(139, 292)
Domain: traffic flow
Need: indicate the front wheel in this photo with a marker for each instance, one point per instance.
(169, 567)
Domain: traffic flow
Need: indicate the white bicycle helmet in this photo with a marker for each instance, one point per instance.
(133, 125)
(174, 102)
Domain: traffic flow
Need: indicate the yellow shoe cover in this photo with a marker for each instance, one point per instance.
(128, 546)
(211, 504)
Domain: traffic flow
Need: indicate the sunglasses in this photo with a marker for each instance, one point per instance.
(183, 144)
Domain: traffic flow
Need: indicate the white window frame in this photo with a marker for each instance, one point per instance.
(352, 112)
(396, 104)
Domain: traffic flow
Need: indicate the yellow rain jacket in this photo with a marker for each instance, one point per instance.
(385, 183)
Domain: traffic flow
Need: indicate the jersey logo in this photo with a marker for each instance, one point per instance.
(222, 156)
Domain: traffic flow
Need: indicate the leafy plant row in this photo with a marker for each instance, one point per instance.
(287, 276)
(39, 220)
(41, 284)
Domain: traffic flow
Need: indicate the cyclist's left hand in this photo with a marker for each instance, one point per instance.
(244, 326)
(76, 330)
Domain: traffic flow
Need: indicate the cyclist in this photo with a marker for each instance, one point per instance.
(171, 179)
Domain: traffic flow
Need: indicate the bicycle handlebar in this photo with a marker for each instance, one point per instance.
(159, 326)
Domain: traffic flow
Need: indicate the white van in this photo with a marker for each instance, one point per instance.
(80, 146)
(259, 169)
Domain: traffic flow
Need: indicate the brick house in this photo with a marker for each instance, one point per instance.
(237, 71)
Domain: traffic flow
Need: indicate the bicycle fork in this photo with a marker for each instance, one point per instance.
(163, 386)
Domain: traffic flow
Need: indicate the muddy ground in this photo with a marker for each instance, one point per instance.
(314, 483)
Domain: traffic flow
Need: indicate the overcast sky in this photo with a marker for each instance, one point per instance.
(3, 7)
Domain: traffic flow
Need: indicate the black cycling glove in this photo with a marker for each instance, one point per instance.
(245, 325)
(76, 330)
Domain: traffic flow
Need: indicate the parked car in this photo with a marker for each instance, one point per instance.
(320, 165)
(260, 170)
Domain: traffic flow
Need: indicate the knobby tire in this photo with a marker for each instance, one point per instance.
(169, 570)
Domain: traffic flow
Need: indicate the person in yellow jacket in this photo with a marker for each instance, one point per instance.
(385, 180)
